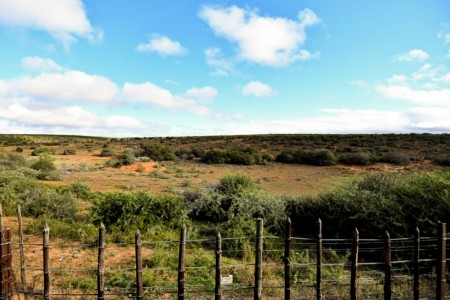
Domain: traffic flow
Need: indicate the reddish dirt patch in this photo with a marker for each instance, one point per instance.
(141, 167)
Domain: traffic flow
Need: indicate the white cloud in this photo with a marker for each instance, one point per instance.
(264, 40)
(444, 33)
(205, 94)
(397, 79)
(423, 119)
(427, 71)
(71, 86)
(35, 117)
(438, 97)
(154, 95)
(257, 89)
(65, 20)
(214, 58)
(414, 55)
(163, 46)
(40, 64)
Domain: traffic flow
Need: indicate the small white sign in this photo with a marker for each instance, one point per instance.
(227, 280)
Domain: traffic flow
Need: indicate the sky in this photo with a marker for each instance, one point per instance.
(142, 68)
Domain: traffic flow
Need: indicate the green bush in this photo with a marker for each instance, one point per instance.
(157, 153)
(127, 212)
(46, 168)
(125, 159)
(247, 156)
(234, 204)
(356, 158)
(376, 203)
(395, 158)
(68, 229)
(43, 150)
(319, 157)
(442, 160)
(69, 152)
(107, 152)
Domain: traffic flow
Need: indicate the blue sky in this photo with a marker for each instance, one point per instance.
(171, 68)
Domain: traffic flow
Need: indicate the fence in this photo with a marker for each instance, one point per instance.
(277, 267)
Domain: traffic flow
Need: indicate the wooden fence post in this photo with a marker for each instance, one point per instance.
(416, 285)
(218, 287)
(5, 264)
(138, 250)
(46, 259)
(287, 260)
(258, 259)
(441, 257)
(21, 253)
(319, 260)
(354, 267)
(101, 263)
(1, 217)
(181, 255)
(387, 268)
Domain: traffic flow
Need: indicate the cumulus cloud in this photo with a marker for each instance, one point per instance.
(70, 85)
(257, 89)
(205, 94)
(222, 66)
(397, 79)
(439, 97)
(65, 20)
(156, 96)
(24, 116)
(444, 33)
(413, 55)
(40, 64)
(427, 71)
(272, 41)
(163, 46)
(422, 119)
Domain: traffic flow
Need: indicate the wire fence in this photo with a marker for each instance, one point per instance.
(246, 267)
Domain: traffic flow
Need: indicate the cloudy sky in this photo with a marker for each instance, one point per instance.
(171, 68)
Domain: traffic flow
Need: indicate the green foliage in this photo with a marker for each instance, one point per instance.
(12, 161)
(442, 160)
(356, 158)
(43, 150)
(376, 203)
(107, 152)
(69, 152)
(395, 158)
(46, 168)
(319, 157)
(128, 212)
(234, 204)
(157, 153)
(68, 229)
(247, 156)
(125, 159)
(19, 149)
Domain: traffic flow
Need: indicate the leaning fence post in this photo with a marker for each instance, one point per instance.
(181, 262)
(319, 260)
(354, 267)
(387, 268)
(21, 253)
(101, 263)
(416, 285)
(138, 250)
(258, 259)
(287, 260)
(46, 259)
(218, 286)
(440, 272)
